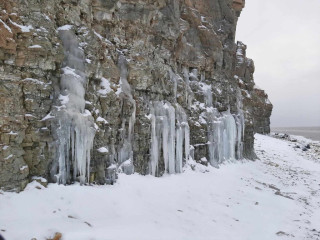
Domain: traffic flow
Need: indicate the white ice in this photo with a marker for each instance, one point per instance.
(277, 197)
(75, 130)
(125, 151)
(225, 131)
(170, 138)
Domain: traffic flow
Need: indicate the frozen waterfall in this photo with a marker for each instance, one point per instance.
(182, 133)
(225, 132)
(74, 130)
(240, 121)
(170, 131)
(125, 154)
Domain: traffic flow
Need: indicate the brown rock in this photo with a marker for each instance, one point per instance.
(57, 236)
(238, 5)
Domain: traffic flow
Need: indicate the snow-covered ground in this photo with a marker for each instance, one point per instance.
(276, 197)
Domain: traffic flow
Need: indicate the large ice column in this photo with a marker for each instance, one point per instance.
(224, 132)
(222, 135)
(240, 134)
(182, 138)
(74, 129)
(125, 154)
(162, 137)
(214, 131)
(154, 151)
(240, 121)
(214, 127)
(170, 138)
(229, 136)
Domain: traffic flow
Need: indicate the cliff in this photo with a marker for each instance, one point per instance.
(94, 87)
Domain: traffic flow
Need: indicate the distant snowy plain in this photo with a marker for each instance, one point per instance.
(276, 197)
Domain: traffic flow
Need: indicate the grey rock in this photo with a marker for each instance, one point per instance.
(162, 41)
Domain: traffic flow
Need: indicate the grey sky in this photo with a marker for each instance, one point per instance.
(283, 39)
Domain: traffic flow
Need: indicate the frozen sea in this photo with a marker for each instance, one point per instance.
(307, 132)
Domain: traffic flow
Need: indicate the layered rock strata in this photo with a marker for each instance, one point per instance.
(90, 88)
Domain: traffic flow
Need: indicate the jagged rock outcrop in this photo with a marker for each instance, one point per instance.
(158, 83)
(255, 101)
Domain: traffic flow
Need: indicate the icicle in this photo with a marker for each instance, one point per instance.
(170, 112)
(183, 134)
(125, 155)
(75, 130)
(240, 126)
(213, 127)
(230, 135)
(223, 132)
(154, 145)
(169, 129)
(162, 136)
(179, 147)
(187, 141)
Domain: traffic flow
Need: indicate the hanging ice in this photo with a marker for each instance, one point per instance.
(162, 137)
(75, 131)
(225, 132)
(169, 131)
(125, 154)
(182, 133)
(240, 126)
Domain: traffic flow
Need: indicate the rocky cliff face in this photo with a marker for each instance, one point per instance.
(93, 87)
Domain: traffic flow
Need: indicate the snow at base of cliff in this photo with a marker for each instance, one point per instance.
(276, 197)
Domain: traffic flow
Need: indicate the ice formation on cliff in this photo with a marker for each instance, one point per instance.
(125, 154)
(225, 131)
(74, 129)
(170, 132)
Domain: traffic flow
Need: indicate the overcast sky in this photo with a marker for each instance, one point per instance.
(283, 39)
